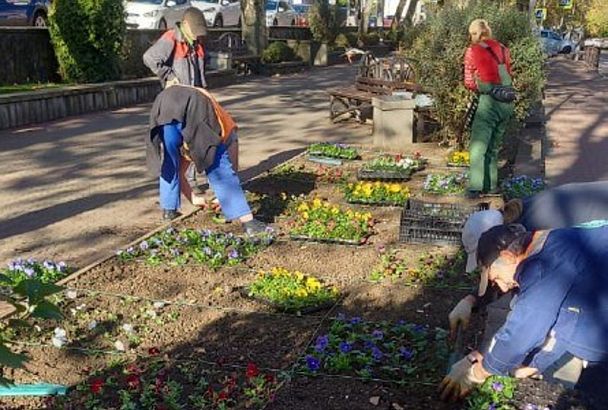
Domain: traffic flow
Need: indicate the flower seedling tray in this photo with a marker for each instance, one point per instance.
(375, 203)
(384, 175)
(433, 222)
(455, 165)
(325, 160)
(244, 292)
(351, 242)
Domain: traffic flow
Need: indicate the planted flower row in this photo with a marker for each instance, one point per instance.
(391, 351)
(292, 291)
(431, 269)
(214, 249)
(46, 271)
(319, 220)
(155, 383)
(376, 193)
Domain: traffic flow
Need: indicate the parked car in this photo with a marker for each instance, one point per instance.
(24, 12)
(302, 14)
(155, 14)
(553, 43)
(280, 13)
(220, 13)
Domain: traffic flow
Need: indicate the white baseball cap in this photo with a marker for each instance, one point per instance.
(478, 223)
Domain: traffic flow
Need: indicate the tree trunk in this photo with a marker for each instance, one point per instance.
(380, 13)
(363, 22)
(398, 13)
(411, 10)
(253, 25)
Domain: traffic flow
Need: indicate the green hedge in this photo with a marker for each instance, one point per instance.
(278, 52)
(437, 55)
(88, 38)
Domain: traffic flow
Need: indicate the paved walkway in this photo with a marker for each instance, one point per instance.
(576, 108)
(77, 189)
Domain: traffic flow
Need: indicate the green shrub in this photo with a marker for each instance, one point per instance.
(371, 38)
(88, 38)
(277, 52)
(438, 51)
(342, 41)
(597, 18)
(322, 22)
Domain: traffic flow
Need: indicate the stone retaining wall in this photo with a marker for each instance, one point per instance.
(21, 109)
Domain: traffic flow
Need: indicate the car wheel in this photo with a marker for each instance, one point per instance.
(275, 22)
(162, 25)
(293, 22)
(239, 24)
(218, 22)
(39, 19)
(567, 50)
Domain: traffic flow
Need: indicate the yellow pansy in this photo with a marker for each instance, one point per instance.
(394, 188)
(299, 275)
(304, 215)
(316, 203)
(303, 207)
(301, 293)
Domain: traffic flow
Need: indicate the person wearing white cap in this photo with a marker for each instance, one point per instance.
(577, 204)
(560, 281)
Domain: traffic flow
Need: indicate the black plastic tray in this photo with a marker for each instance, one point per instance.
(350, 242)
(366, 174)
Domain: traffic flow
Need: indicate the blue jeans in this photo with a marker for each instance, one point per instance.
(223, 180)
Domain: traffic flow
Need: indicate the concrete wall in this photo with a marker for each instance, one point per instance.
(28, 56)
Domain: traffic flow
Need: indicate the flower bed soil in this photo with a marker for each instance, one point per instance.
(212, 323)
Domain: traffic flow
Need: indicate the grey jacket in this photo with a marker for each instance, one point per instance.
(173, 57)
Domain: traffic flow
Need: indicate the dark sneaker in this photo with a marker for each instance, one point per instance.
(254, 227)
(170, 214)
(472, 194)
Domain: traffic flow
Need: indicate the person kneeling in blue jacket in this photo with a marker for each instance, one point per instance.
(188, 125)
(560, 280)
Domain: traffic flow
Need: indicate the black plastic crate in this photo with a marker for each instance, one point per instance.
(454, 212)
(433, 222)
(384, 175)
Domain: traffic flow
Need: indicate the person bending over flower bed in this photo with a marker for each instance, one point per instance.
(188, 125)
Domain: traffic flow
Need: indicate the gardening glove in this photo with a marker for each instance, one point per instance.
(173, 81)
(461, 379)
(525, 372)
(461, 314)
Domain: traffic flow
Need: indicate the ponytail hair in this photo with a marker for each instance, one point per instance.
(479, 30)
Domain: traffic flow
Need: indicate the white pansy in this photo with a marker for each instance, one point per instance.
(120, 346)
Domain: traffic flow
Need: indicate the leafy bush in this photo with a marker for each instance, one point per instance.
(597, 18)
(322, 22)
(88, 38)
(278, 52)
(438, 52)
(342, 41)
(370, 39)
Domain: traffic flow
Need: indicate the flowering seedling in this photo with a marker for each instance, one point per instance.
(522, 186)
(46, 271)
(392, 351)
(330, 150)
(430, 268)
(151, 384)
(214, 249)
(376, 193)
(292, 291)
(396, 163)
(319, 220)
(496, 393)
(443, 184)
(459, 159)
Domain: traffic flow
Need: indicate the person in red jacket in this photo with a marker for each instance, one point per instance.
(487, 68)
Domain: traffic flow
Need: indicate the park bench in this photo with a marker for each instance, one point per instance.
(237, 52)
(375, 77)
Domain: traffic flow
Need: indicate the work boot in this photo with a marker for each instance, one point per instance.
(170, 214)
(254, 227)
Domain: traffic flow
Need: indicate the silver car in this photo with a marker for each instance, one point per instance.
(280, 13)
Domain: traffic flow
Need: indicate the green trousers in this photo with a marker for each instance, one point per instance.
(487, 132)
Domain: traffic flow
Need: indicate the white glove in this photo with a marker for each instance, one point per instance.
(460, 381)
(171, 82)
(461, 314)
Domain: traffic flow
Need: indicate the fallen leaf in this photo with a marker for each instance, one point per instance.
(397, 407)
(374, 400)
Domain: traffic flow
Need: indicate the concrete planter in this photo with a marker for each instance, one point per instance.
(286, 67)
(34, 107)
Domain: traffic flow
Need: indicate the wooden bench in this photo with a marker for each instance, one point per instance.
(241, 59)
(375, 77)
